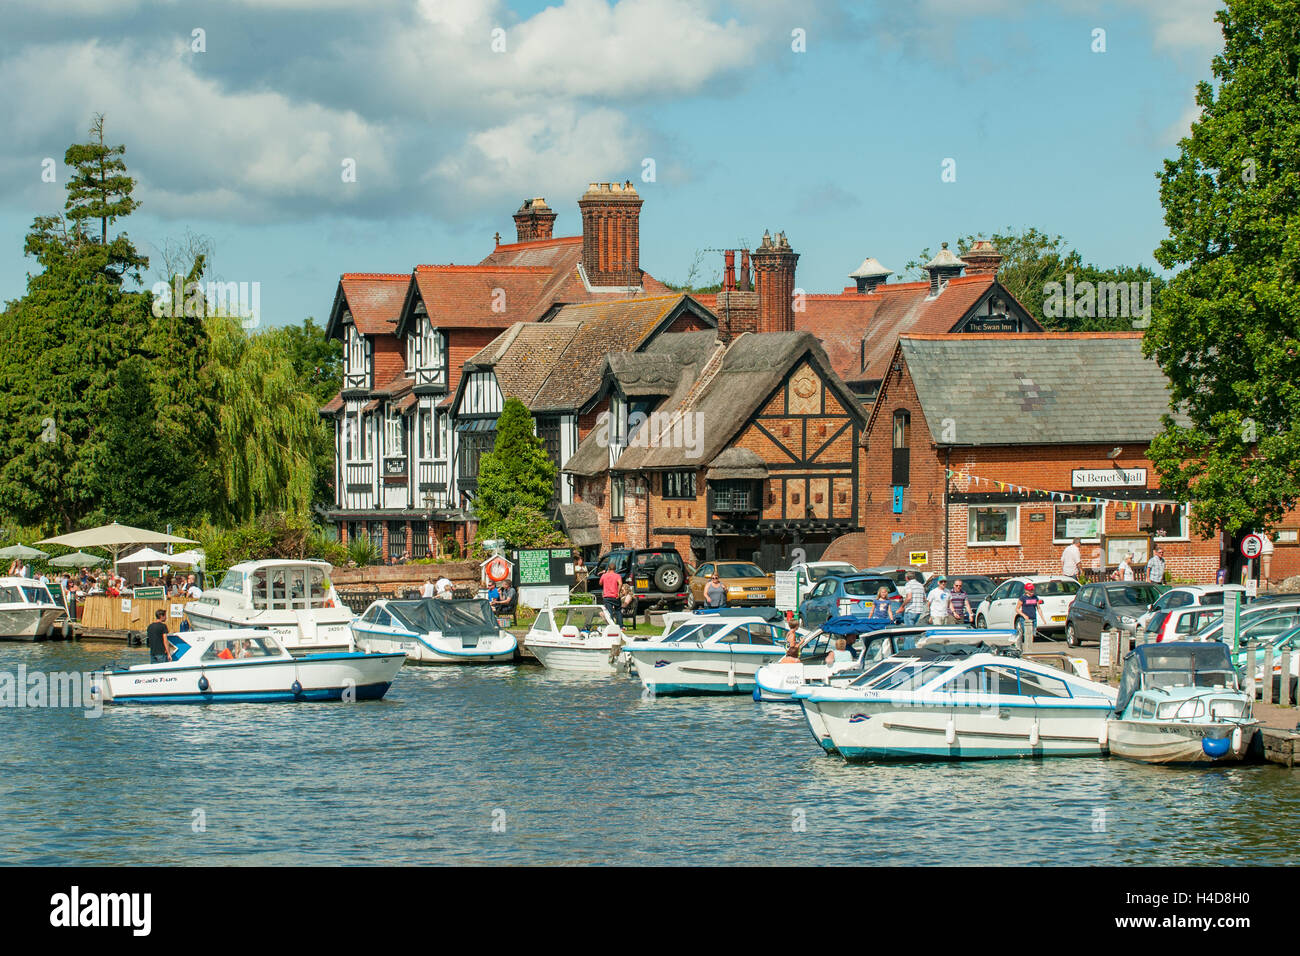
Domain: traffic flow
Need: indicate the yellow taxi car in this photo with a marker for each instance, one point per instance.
(746, 584)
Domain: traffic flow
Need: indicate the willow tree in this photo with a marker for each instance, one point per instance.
(267, 425)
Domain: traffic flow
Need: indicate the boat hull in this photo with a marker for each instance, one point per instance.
(321, 677)
(726, 669)
(887, 730)
(587, 658)
(435, 649)
(29, 623)
(1180, 741)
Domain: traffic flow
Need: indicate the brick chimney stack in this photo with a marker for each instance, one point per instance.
(534, 220)
(737, 306)
(982, 258)
(774, 264)
(611, 234)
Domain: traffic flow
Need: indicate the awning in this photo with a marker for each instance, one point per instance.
(477, 425)
(736, 463)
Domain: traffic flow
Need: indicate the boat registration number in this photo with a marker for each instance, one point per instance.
(1058, 618)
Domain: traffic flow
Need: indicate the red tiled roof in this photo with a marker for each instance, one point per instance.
(480, 297)
(843, 321)
(374, 299)
(335, 404)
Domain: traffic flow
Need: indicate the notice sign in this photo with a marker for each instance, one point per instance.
(787, 587)
(535, 567)
(126, 605)
(1081, 527)
(177, 610)
(1108, 478)
(918, 557)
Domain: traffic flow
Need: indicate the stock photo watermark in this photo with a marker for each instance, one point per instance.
(178, 299)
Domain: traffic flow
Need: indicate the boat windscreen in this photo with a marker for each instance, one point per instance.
(1181, 664)
(448, 617)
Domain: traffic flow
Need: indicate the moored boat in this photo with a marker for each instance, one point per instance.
(708, 654)
(1181, 702)
(294, 600)
(576, 637)
(241, 666)
(29, 612)
(436, 631)
(952, 701)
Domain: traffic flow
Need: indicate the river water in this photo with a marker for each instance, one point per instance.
(515, 765)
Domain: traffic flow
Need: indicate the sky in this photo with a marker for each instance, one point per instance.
(834, 122)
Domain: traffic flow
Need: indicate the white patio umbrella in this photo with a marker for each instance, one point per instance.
(190, 558)
(148, 556)
(115, 538)
(21, 551)
(78, 559)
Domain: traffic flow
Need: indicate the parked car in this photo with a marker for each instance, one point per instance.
(1259, 623)
(1180, 623)
(1109, 605)
(811, 572)
(1054, 591)
(898, 575)
(657, 575)
(847, 594)
(1189, 595)
(746, 584)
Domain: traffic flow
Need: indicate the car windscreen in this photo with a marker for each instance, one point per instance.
(816, 574)
(740, 571)
(1055, 588)
(860, 587)
(1132, 595)
(652, 559)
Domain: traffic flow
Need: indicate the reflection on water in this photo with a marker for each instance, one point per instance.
(507, 764)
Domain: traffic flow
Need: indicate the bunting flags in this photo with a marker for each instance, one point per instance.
(1007, 486)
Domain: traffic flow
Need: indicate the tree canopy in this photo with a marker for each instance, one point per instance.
(1226, 329)
(516, 482)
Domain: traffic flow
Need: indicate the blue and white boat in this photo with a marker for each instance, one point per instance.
(708, 654)
(952, 701)
(576, 637)
(1181, 702)
(28, 612)
(242, 666)
(870, 640)
(436, 631)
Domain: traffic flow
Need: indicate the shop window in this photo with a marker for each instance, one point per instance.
(993, 526)
(1163, 519)
(1077, 521)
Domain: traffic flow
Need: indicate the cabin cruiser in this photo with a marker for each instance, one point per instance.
(28, 612)
(954, 701)
(576, 637)
(246, 665)
(294, 600)
(869, 640)
(708, 654)
(436, 631)
(1181, 702)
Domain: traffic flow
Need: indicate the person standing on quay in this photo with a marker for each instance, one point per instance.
(611, 582)
(939, 602)
(1071, 559)
(914, 593)
(1156, 566)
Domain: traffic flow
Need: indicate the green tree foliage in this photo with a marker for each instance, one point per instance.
(266, 424)
(515, 481)
(318, 363)
(63, 342)
(1226, 330)
(1033, 260)
(137, 474)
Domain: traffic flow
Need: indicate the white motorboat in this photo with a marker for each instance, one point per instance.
(1181, 702)
(958, 701)
(708, 654)
(294, 600)
(247, 665)
(29, 612)
(436, 631)
(576, 637)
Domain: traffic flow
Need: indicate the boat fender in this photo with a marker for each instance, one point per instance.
(296, 688)
(1236, 739)
(1033, 734)
(67, 630)
(1215, 747)
(950, 732)
(203, 683)
(758, 694)
(1103, 736)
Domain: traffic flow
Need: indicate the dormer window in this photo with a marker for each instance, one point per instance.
(356, 359)
(426, 352)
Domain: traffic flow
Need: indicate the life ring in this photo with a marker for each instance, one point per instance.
(498, 570)
(203, 683)
(296, 688)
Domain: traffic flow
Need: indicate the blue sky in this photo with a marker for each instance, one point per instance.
(840, 146)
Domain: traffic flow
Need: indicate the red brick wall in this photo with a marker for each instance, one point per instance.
(463, 345)
(390, 358)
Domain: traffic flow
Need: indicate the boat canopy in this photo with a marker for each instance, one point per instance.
(1175, 664)
(452, 618)
(846, 624)
(769, 614)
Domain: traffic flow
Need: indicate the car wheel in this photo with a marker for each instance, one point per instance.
(691, 605)
(980, 622)
(1071, 636)
(668, 577)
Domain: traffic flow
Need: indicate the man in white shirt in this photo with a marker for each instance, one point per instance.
(445, 588)
(914, 600)
(938, 601)
(1071, 558)
(192, 590)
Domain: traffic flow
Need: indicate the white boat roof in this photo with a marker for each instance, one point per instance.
(247, 566)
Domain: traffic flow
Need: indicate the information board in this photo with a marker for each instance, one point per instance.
(918, 558)
(787, 590)
(534, 567)
(150, 594)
